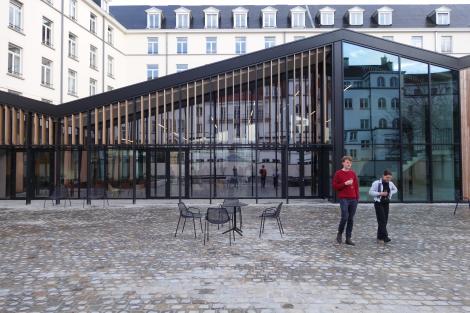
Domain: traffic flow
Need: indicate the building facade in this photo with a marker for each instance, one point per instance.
(292, 110)
(59, 51)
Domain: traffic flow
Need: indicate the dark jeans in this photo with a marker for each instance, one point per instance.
(263, 181)
(381, 211)
(348, 209)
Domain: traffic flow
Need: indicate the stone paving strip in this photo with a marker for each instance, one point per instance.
(125, 258)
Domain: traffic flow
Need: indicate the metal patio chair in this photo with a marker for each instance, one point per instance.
(460, 199)
(218, 216)
(188, 212)
(273, 213)
(98, 193)
(59, 193)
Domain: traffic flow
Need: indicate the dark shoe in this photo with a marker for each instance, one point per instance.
(349, 242)
(386, 239)
(339, 238)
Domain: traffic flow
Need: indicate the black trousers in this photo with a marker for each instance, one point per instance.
(381, 211)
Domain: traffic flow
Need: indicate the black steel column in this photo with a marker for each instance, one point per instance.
(256, 130)
(180, 159)
(337, 102)
(287, 131)
(29, 158)
(211, 146)
(57, 157)
(89, 147)
(428, 129)
(134, 154)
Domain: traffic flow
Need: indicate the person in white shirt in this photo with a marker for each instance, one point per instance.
(382, 190)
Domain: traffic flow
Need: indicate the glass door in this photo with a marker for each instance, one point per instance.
(43, 179)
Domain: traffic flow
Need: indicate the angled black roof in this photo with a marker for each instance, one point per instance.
(404, 16)
(213, 69)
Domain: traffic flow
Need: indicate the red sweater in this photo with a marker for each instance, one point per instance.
(346, 192)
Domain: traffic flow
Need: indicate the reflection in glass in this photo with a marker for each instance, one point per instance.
(414, 95)
(416, 180)
(235, 171)
(269, 166)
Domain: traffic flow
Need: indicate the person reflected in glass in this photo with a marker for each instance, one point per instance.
(382, 191)
(235, 176)
(263, 173)
(275, 179)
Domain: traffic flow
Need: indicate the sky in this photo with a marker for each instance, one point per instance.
(272, 2)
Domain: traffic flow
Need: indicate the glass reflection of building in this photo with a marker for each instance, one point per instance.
(207, 132)
(402, 115)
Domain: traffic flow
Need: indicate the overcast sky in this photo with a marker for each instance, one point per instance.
(267, 2)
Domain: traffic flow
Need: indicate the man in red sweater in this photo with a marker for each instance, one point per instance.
(346, 185)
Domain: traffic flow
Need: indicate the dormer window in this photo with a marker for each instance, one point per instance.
(154, 18)
(327, 16)
(442, 16)
(269, 17)
(240, 18)
(211, 18)
(384, 16)
(356, 16)
(182, 17)
(297, 17)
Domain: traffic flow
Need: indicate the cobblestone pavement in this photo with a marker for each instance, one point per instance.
(126, 259)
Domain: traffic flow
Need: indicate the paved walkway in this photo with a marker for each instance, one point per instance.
(125, 259)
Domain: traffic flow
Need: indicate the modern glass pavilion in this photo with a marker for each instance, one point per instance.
(293, 110)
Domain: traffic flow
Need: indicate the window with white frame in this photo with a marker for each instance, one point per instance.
(92, 87)
(110, 66)
(110, 35)
(152, 71)
(269, 41)
(154, 18)
(364, 123)
(14, 59)
(446, 44)
(240, 45)
(109, 88)
(46, 72)
(356, 16)
(182, 18)
(240, 18)
(92, 23)
(269, 17)
(152, 45)
(417, 41)
(211, 45)
(385, 16)
(327, 16)
(443, 17)
(73, 9)
(297, 17)
(72, 46)
(211, 18)
(47, 32)
(72, 83)
(298, 37)
(93, 57)
(181, 67)
(15, 15)
(182, 45)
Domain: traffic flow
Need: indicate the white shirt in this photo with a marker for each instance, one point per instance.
(377, 185)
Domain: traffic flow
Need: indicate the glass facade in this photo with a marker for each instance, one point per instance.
(402, 115)
(267, 129)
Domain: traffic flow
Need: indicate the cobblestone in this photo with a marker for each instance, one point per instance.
(126, 259)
